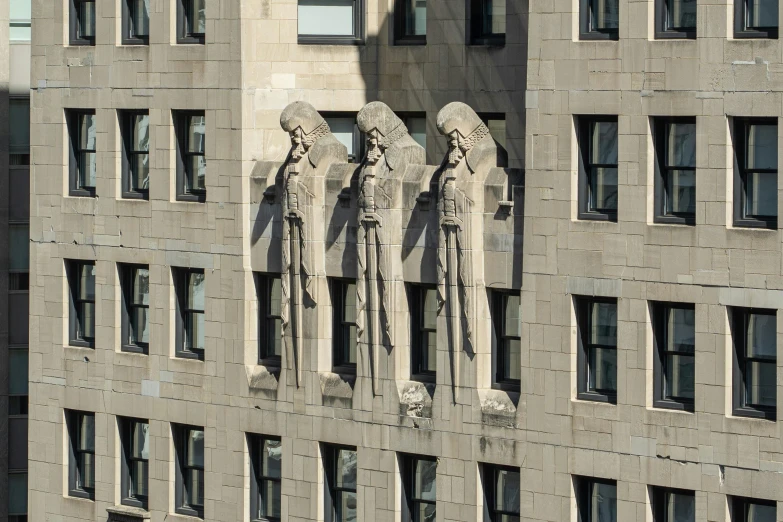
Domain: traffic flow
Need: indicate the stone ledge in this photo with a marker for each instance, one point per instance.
(261, 379)
(337, 390)
(127, 514)
(498, 408)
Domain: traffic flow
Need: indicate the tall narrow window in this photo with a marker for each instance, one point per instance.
(191, 21)
(266, 455)
(270, 333)
(82, 22)
(418, 488)
(332, 22)
(135, 281)
(135, 441)
(191, 291)
(496, 123)
(675, 19)
(753, 510)
(754, 333)
(507, 339)
(135, 22)
(343, 326)
(340, 470)
(674, 361)
(756, 18)
(596, 499)
(424, 325)
(501, 493)
(189, 484)
(417, 126)
(675, 169)
(81, 282)
(597, 167)
(487, 22)
(599, 19)
(83, 131)
(135, 127)
(81, 462)
(597, 350)
(343, 126)
(673, 505)
(191, 165)
(756, 172)
(410, 22)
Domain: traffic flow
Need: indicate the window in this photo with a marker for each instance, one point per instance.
(82, 22)
(418, 488)
(417, 127)
(487, 22)
(674, 334)
(496, 123)
(410, 22)
(756, 172)
(135, 22)
(190, 127)
(191, 21)
(596, 499)
(18, 390)
(424, 337)
(331, 21)
(599, 19)
(675, 19)
(83, 131)
(597, 139)
(189, 483)
(754, 334)
(266, 461)
(756, 18)
(17, 497)
(19, 131)
(135, 442)
(21, 21)
(675, 170)
(135, 127)
(135, 285)
(81, 460)
(191, 289)
(597, 350)
(81, 282)
(501, 493)
(270, 334)
(673, 505)
(340, 465)
(507, 340)
(343, 326)
(753, 510)
(343, 126)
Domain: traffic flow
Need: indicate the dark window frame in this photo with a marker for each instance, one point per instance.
(409, 500)
(741, 28)
(75, 153)
(74, 21)
(331, 490)
(583, 317)
(739, 507)
(585, 129)
(401, 13)
(584, 498)
(586, 30)
(661, 149)
(181, 130)
(183, 36)
(358, 137)
(659, 501)
(341, 328)
(498, 302)
(180, 433)
(489, 480)
(127, 27)
(265, 321)
(127, 271)
(659, 311)
(662, 28)
(740, 129)
(72, 421)
(75, 309)
(358, 38)
(184, 313)
(739, 338)
(475, 33)
(126, 427)
(258, 479)
(419, 355)
(129, 154)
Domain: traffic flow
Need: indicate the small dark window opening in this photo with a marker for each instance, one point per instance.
(191, 296)
(506, 339)
(674, 361)
(424, 332)
(418, 488)
(753, 510)
(343, 326)
(675, 19)
(81, 283)
(190, 127)
(135, 128)
(81, 461)
(756, 19)
(596, 499)
(487, 22)
(597, 349)
(135, 281)
(756, 172)
(410, 22)
(501, 493)
(270, 324)
(675, 170)
(599, 19)
(754, 335)
(135, 22)
(189, 486)
(135, 440)
(82, 22)
(266, 454)
(673, 505)
(340, 471)
(597, 167)
(83, 165)
(191, 21)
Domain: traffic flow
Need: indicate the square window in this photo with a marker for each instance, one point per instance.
(82, 22)
(418, 488)
(81, 448)
(597, 348)
(135, 22)
(423, 301)
(496, 123)
(754, 335)
(135, 130)
(81, 317)
(266, 463)
(675, 19)
(599, 19)
(756, 172)
(596, 499)
(191, 21)
(673, 505)
(417, 126)
(270, 323)
(597, 140)
(191, 130)
(343, 326)
(501, 493)
(189, 482)
(344, 127)
(506, 339)
(674, 360)
(755, 18)
(135, 442)
(487, 22)
(331, 22)
(83, 164)
(675, 170)
(135, 286)
(753, 510)
(410, 22)
(17, 497)
(190, 286)
(340, 471)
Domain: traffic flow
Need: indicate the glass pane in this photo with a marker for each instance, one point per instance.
(197, 23)
(88, 170)
(20, 10)
(18, 372)
(86, 470)
(603, 369)
(19, 241)
(603, 149)
(603, 189)
(680, 329)
(140, 172)
(346, 469)
(87, 321)
(762, 13)
(681, 145)
(682, 14)
(761, 512)
(326, 17)
(141, 138)
(277, 337)
(17, 493)
(88, 131)
(432, 358)
(197, 173)
(196, 331)
(417, 127)
(86, 432)
(762, 336)
(141, 441)
(762, 147)
(415, 17)
(760, 383)
(140, 328)
(342, 128)
(141, 286)
(195, 450)
(680, 508)
(272, 453)
(346, 507)
(350, 303)
(603, 502)
(275, 296)
(86, 19)
(270, 499)
(87, 282)
(603, 323)
(195, 490)
(494, 19)
(513, 362)
(681, 192)
(511, 319)
(352, 344)
(761, 194)
(605, 14)
(507, 491)
(680, 376)
(140, 18)
(19, 119)
(497, 127)
(425, 512)
(430, 307)
(139, 478)
(425, 475)
(197, 134)
(196, 289)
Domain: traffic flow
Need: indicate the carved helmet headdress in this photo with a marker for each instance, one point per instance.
(464, 129)
(383, 128)
(305, 125)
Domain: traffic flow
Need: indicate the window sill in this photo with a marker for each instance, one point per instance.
(488, 42)
(674, 220)
(135, 42)
(136, 196)
(756, 224)
(191, 40)
(79, 193)
(597, 216)
(135, 349)
(508, 387)
(76, 343)
(190, 356)
(598, 36)
(424, 378)
(190, 513)
(81, 43)
(676, 35)
(410, 42)
(752, 413)
(79, 494)
(756, 35)
(192, 198)
(125, 513)
(329, 40)
(597, 397)
(675, 406)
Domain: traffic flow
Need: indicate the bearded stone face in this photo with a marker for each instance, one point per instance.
(374, 151)
(455, 151)
(297, 141)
